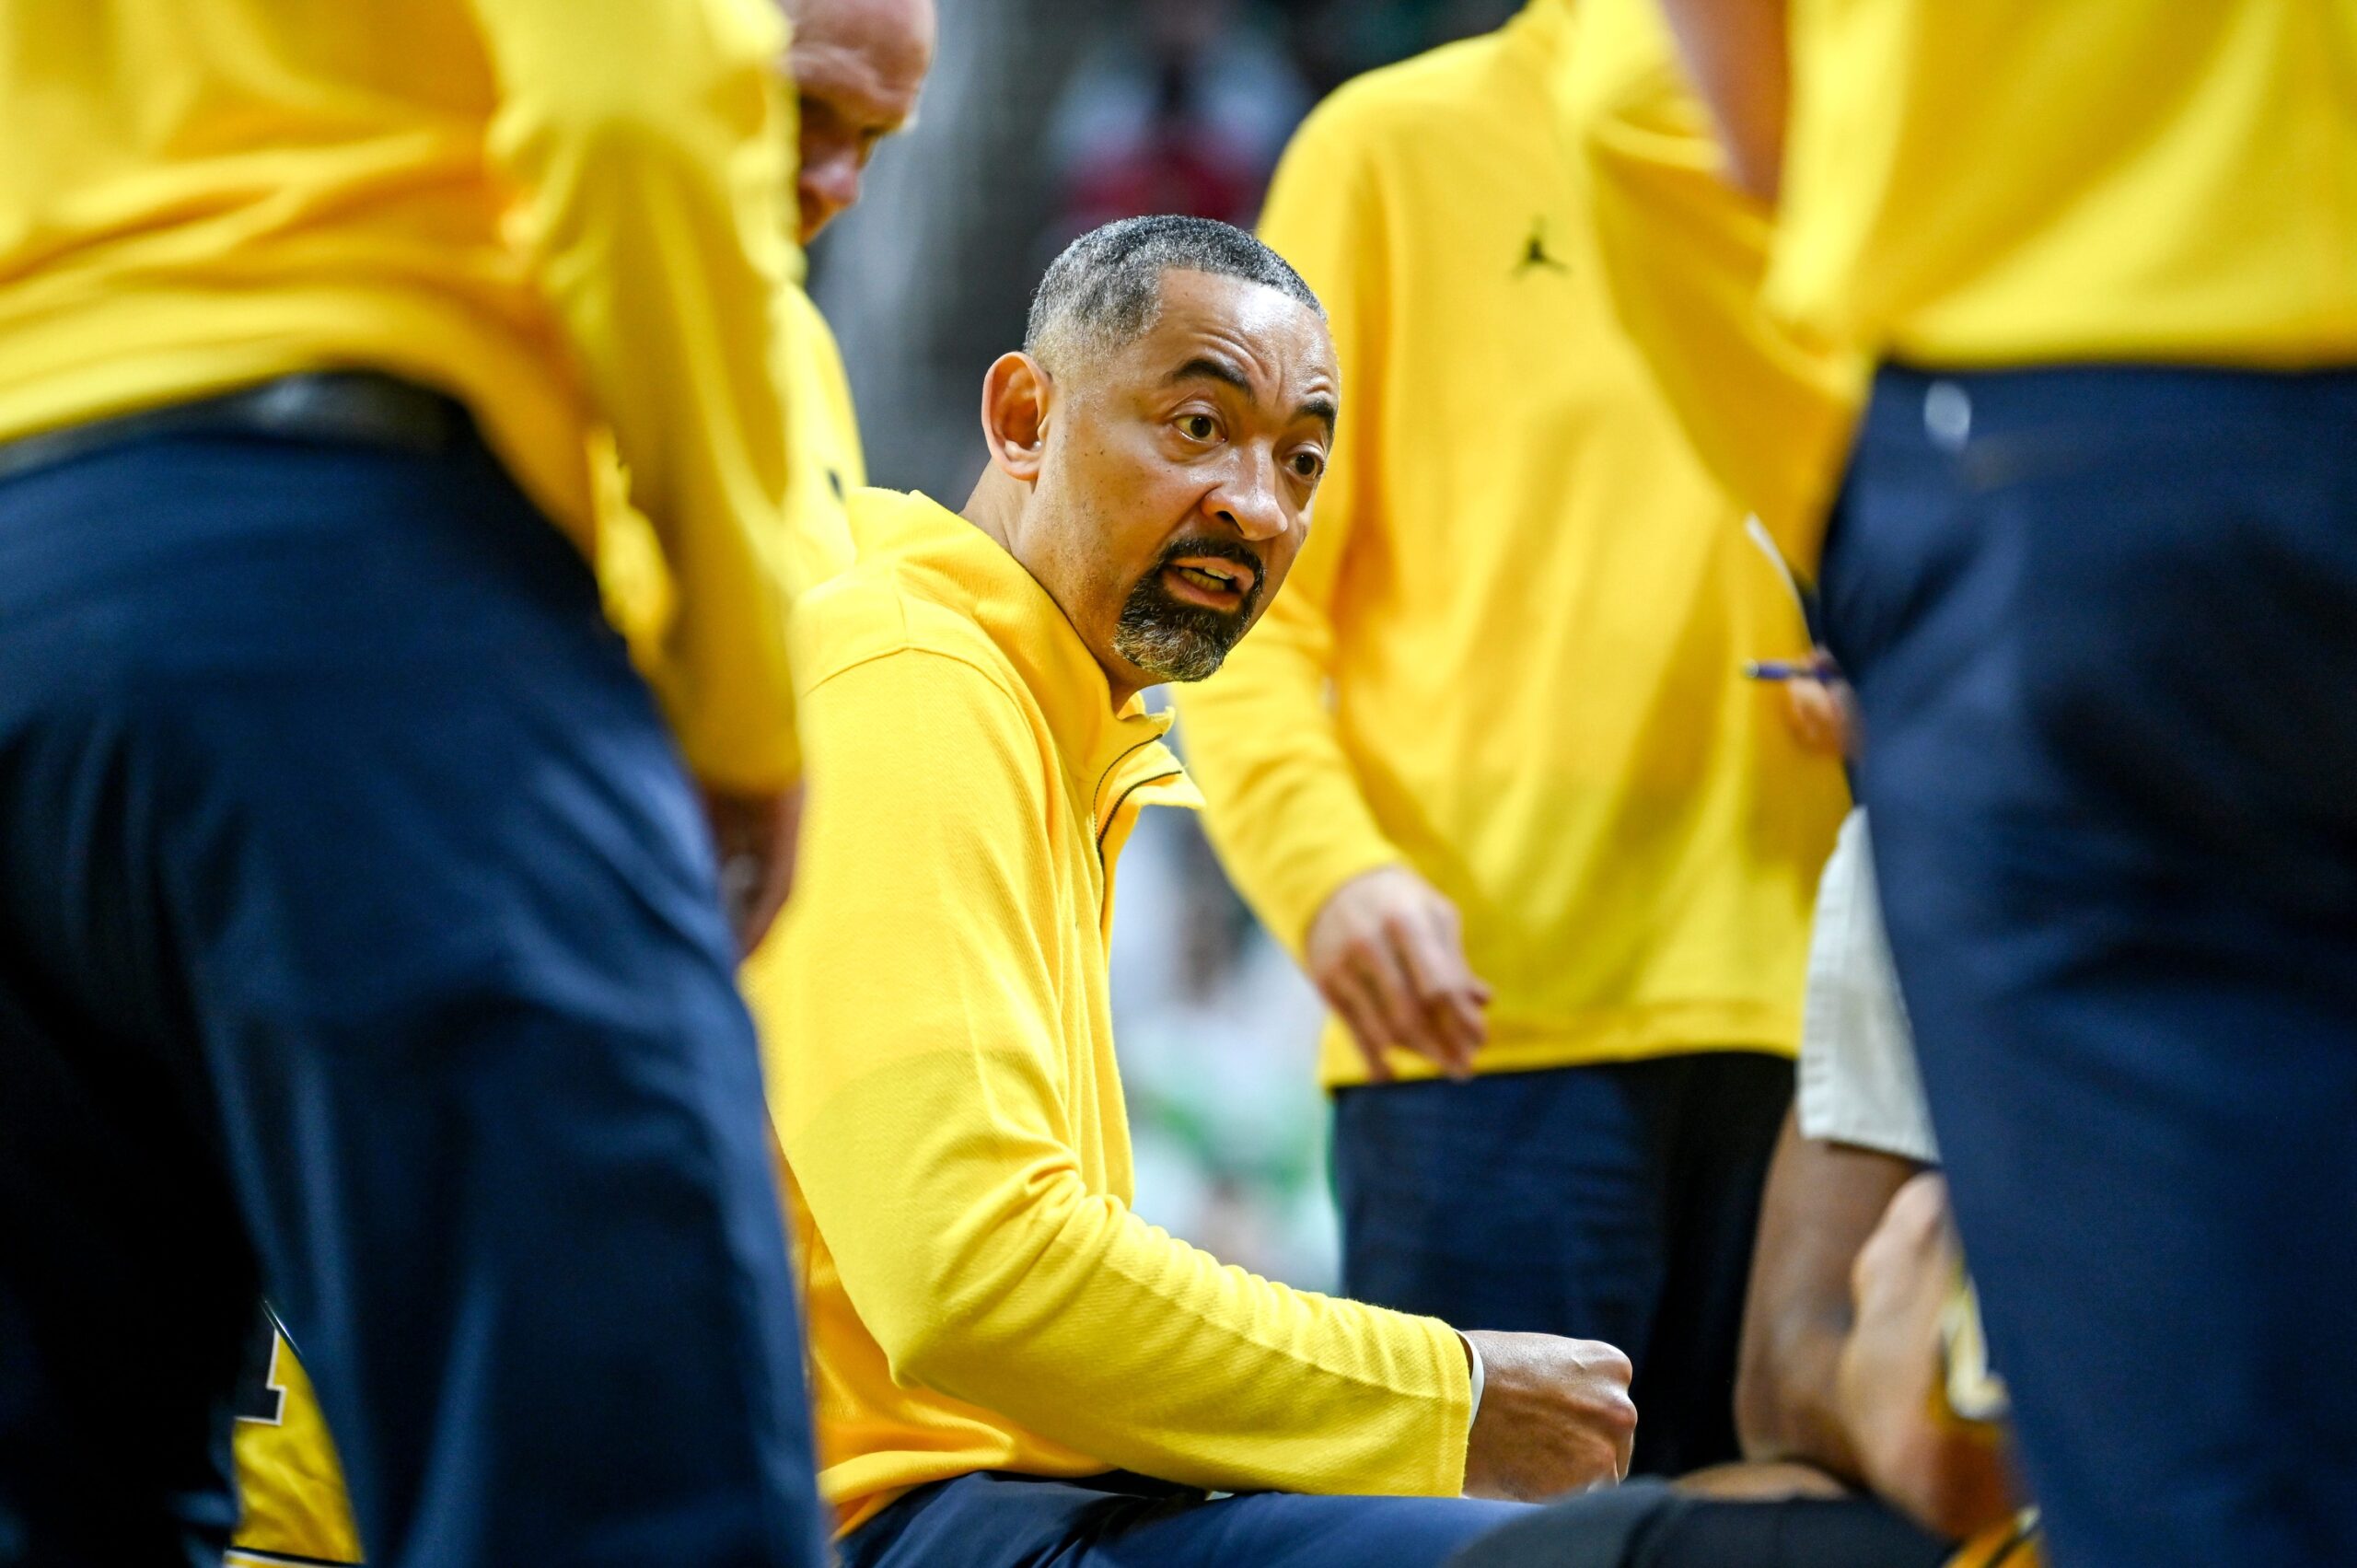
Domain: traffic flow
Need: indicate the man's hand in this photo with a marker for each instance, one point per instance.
(754, 836)
(1555, 1417)
(1944, 1474)
(1819, 715)
(1823, 713)
(1388, 953)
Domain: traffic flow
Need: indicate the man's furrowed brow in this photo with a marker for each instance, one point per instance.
(1203, 368)
(1319, 409)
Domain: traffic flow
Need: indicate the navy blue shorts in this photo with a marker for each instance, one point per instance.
(1615, 1203)
(2103, 627)
(359, 943)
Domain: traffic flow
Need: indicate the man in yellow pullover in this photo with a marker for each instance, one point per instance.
(1009, 1365)
(359, 931)
(1491, 769)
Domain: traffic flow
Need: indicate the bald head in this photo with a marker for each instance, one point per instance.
(857, 67)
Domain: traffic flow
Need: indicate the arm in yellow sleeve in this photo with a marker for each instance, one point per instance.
(933, 1082)
(1682, 252)
(1284, 807)
(653, 145)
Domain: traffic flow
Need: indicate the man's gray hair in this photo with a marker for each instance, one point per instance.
(1106, 288)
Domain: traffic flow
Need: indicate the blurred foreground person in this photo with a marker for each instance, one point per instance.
(856, 68)
(360, 940)
(2094, 574)
(1864, 1365)
(1010, 1366)
(1489, 770)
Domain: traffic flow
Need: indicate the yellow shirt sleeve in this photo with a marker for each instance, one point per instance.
(1682, 253)
(934, 1086)
(1285, 808)
(653, 149)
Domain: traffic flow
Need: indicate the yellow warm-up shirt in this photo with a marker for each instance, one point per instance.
(1683, 251)
(2011, 181)
(940, 1057)
(1508, 655)
(829, 464)
(562, 224)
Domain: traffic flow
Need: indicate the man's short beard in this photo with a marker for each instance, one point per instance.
(1172, 640)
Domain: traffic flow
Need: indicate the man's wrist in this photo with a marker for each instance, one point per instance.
(1480, 1375)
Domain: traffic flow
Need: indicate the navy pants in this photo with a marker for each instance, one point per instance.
(997, 1520)
(358, 942)
(1647, 1524)
(1615, 1203)
(2103, 627)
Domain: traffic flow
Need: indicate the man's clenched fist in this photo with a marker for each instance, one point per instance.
(1555, 1417)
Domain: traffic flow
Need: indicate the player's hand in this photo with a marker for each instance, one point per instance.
(754, 836)
(1555, 1417)
(1948, 1476)
(1388, 953)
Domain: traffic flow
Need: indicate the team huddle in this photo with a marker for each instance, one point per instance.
(554, 964)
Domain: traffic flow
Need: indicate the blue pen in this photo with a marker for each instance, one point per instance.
(1786, 669)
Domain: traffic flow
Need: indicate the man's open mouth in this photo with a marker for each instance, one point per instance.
(1212, 579)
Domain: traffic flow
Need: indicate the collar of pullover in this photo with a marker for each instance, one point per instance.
(947, 559)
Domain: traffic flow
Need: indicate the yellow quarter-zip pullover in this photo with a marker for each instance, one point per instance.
(2018, 181)
(563, 221)
(1508, 655)
(1682, 252)
(822, 432)
(940, 1058)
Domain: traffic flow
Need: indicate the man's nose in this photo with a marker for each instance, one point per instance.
(830, 183)
(1248, 501)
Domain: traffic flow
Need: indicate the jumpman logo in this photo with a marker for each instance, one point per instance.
(1534, 251)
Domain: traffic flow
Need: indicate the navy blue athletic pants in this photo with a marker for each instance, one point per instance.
(359, 942)
(1616, 1201)
(2103, 627)
(994, 1519)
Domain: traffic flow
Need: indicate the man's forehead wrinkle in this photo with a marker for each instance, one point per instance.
(1257, 367)
(874, 53)
(848, 78)
(1219, 344)
(1209, 367)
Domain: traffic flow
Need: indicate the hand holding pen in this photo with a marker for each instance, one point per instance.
(1817, 701)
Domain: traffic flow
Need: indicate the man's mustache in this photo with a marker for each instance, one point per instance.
(1213, 545)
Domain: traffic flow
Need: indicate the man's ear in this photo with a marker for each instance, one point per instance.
(1016, 394)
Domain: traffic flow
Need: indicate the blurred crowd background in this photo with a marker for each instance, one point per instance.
(1043, 118)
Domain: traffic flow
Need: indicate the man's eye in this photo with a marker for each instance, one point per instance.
(1199, 426)
(1308, 465)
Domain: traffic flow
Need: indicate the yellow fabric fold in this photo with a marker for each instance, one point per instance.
(1682, 253)
(2021, 182)
(565, 225)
